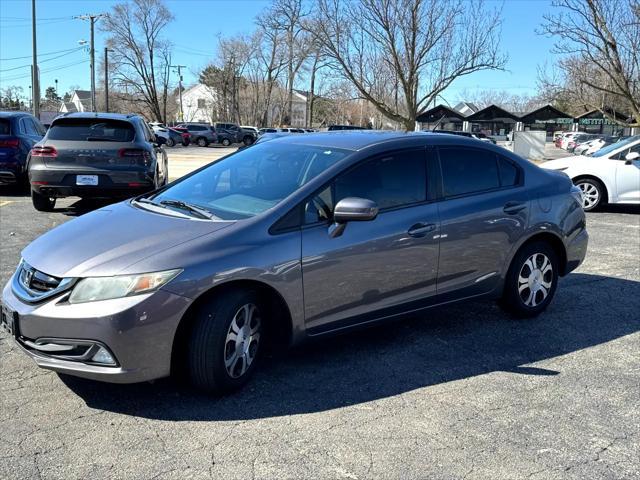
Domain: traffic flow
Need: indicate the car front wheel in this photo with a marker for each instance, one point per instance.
(170, 142)
(592, 193)
(226, 142)
(225, 342)
(42, 203)
(531, 281)
(202, 142)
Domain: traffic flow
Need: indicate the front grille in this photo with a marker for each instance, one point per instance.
(32, 285)
(37, 281)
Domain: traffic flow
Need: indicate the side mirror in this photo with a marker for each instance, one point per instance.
(631, 156)
(352, 209)
(160, 140)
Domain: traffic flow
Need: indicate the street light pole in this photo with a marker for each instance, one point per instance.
(92, 53)
(106, 79)
(179, 67)
(35, 92)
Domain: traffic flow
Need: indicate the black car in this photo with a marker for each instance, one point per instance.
(229, 133)
(477, 135)
(96, 155)
(19, 131)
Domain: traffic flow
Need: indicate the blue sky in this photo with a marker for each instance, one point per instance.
(194, 33)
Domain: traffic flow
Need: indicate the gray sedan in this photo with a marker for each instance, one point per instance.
(294, 238)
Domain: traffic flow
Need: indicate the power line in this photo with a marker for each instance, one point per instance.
(40, 54)
(48, 70)
(43, 61)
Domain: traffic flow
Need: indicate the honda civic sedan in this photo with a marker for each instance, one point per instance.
(291, 239)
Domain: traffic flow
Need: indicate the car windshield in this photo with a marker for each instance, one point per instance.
(94, 129)
(605, 151)
(253, 180)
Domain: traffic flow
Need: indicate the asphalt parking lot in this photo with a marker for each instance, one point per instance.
(458, 392)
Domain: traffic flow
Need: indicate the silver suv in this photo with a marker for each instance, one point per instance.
(294, 238)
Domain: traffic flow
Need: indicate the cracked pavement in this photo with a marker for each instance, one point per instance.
(457, 392)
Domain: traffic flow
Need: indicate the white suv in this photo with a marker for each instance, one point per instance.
(610, 175)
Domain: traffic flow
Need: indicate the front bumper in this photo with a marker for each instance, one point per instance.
(138, 331)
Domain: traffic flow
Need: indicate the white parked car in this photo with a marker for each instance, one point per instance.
(610, 175)
(590, 146)
(160, 129)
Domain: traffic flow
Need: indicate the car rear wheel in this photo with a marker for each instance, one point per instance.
(531, 281)
(225, 341)
(248, 140)
(170, 142)
(592, 193)
(226, 142)
(42, 203)
(202, 142)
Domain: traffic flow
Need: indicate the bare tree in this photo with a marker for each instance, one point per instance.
(599, 41)
(425, 44)
(141, 58)
(511, 102)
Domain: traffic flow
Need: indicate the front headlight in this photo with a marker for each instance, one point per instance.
(105, 288)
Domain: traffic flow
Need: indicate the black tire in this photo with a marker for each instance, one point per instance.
(516, 298)
(41, 202)
(170, 142)
(248, 140)
(185, 143)
(225, 142)
(202, 142)
(593, 193)
(208, 348)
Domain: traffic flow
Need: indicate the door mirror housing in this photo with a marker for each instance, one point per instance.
(352, 209)
(631, 156)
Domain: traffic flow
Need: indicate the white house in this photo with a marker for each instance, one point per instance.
(198, 103)
(298, 109)
(80, 101)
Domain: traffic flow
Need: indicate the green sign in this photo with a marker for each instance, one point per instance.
(596, 121)
(555, 121)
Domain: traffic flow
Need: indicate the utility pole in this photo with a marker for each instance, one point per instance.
(92, 53)
(35, 80)
(179, 67)
(106, 79)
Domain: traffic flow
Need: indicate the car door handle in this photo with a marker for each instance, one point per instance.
(421, 229)
(514, 207)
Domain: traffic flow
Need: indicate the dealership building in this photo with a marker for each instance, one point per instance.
(500, 123)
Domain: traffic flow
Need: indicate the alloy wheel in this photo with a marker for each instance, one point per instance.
(535, 279)
(590, 195)
(242, 341)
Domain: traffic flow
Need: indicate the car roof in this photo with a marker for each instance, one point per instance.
(360, 139)
(105, 115)
(7, 114)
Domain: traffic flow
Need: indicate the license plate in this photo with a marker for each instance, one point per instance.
(7, 319)
(86, 179)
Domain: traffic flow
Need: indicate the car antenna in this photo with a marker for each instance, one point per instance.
(437, 123)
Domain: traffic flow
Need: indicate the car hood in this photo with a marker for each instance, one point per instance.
(565, 162)
(107, 241)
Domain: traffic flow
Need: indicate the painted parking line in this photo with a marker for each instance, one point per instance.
(5, 202)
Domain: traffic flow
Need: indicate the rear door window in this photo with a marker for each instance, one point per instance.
(92, 129)
(468, 170)
(28, 127)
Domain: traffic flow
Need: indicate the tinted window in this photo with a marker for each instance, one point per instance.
(5, 126)
(467, 170)
(509, 173)
(253, 180)
(390, 181)
(196, 128)
(28, 126)
(91, 129)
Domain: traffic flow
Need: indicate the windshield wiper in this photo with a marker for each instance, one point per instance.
(200, 212)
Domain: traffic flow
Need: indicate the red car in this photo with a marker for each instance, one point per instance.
(184, 133)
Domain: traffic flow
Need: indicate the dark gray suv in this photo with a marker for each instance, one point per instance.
(294, 238)
(96, 155)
